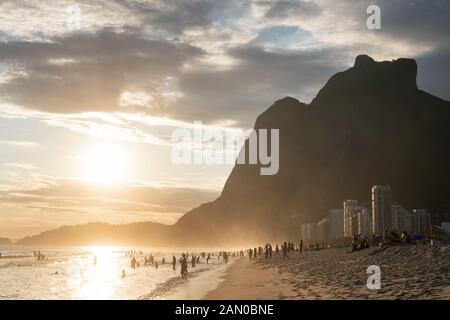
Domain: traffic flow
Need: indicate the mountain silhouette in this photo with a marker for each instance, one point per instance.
(368, 125)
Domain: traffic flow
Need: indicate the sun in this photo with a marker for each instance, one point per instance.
(105, 163)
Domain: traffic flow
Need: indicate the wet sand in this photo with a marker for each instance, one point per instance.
(407, 272)
(248, 280)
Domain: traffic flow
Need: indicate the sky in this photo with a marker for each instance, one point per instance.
(92, 91)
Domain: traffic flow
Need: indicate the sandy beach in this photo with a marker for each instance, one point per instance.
(407, 272)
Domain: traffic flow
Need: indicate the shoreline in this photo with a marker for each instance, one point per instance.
(196, 287)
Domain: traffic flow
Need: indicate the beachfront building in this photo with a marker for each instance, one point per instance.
(309, 232)
(336, 221)
(401, 219)
(364, 216)
(350, 212)
(381, 209)
(356, 218)
(323, 228)
(421, 221)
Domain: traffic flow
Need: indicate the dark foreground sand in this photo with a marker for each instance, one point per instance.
(407, 272)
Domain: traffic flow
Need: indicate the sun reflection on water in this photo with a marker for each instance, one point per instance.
(99, 274)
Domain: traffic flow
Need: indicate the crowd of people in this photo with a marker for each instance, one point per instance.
(390, 238)
(285, 249)
(186, 259)
(39, 256)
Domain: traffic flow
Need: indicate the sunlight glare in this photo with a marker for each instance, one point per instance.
(106, 164)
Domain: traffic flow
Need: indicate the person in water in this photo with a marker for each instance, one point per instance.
(225, 257)
(184, 266)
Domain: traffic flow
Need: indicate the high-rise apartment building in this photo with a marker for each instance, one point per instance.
(381, 209)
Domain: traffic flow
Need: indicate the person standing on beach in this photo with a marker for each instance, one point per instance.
(284, 249)
(250, 254)
(301, 246)
(207, 258)
(270, 251)
(174, 262)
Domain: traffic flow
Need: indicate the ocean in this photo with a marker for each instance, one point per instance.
(70, 273)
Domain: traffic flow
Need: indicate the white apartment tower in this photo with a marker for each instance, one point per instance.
(336, 219)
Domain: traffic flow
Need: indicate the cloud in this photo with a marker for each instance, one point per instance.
(92, 71)
(20, 143)
(257, 79)
(222, 61)
(125, 202)
(20, 166)
(293, 8)
(172, 16)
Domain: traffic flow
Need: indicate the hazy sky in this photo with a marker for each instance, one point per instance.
(87, 110)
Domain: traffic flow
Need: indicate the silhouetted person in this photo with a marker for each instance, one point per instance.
(225, 257)
(184, 266)
(406, 237)
(207, 258)
(284, 249)
(301, 246)
(174, 262)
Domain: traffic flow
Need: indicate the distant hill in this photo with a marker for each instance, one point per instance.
(368, 125)
(5, 241)
(97, 233)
